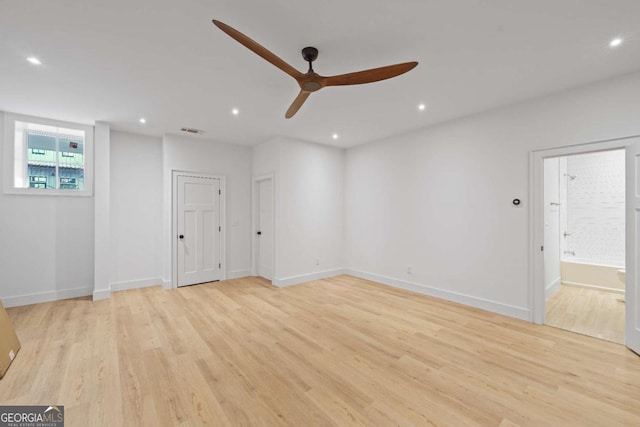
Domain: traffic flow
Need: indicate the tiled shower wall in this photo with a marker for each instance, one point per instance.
(592, 208)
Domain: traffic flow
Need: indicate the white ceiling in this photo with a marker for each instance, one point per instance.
(117, 61)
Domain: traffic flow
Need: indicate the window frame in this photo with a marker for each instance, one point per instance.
(10, 120)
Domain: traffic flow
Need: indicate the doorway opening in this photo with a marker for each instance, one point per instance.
(537, 300)
(584, 243)
(264, 227)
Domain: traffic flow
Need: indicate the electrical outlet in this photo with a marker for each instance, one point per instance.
(409, 270)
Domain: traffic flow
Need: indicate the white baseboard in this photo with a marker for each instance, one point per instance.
(27, 299)
(238, 274)
(101, 294)
(481, 303)
(166, 284)
(552, 287)
(588, 286)
(135, 284)
(296, 280)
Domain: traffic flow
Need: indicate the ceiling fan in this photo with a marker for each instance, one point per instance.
(311, 81)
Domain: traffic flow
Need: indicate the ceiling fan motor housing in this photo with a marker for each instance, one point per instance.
(310, 54)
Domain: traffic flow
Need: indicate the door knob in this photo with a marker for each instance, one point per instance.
(181, 236)
(259, 233)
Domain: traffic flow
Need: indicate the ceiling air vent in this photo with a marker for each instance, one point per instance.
(192, 130)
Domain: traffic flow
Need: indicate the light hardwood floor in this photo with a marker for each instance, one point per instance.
(339, 351)
(591, 312)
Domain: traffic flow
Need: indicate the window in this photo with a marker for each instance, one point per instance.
(68, 183)
(47, 157)
(37, 181)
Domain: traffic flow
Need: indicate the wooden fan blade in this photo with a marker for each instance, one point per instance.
(297, 103)
(369, 76)
(258, 49)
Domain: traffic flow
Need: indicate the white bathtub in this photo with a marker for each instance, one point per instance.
(604, 277)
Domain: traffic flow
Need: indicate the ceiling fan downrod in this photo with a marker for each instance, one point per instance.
(310, 54)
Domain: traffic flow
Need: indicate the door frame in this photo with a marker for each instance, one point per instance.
(254, 222)
(536, 296)
(174, 221)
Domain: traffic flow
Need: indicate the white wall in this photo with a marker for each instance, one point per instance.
(102, 212)
(310, 210)
(46, 249)
(551, 225)
(232, 161)
(49, 242)
(136, 211)
(439, 199)
(309, 207)
(594, 208)
(266, 158)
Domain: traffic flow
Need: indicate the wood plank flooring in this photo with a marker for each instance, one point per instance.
(592, 312)
(335, 352)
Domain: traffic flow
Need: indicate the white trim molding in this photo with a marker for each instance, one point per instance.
(481, 303)
(101, 294)
(588, 286)
(39, 297)
(237, 274)
(135, 284)
(552, 287)
(296, 280)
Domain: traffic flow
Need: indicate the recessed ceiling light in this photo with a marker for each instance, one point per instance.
(335, 136)
(143, 120)
(34, 60)
(422, 107)
(615, 42)
(235, 111)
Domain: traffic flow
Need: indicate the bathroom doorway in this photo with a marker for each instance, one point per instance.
(584, 243)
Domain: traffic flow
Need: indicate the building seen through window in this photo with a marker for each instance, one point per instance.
(54, 156)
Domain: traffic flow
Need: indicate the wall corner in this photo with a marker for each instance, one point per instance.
(102, 210)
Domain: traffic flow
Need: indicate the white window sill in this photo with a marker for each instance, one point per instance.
(44, 192)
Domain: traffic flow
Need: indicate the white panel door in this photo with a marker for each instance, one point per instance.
(632, 321)
(199, 247)
(265, 228)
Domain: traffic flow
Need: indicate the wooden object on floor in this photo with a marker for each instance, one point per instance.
(337, 352)
(9, 343)
(592, 312)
